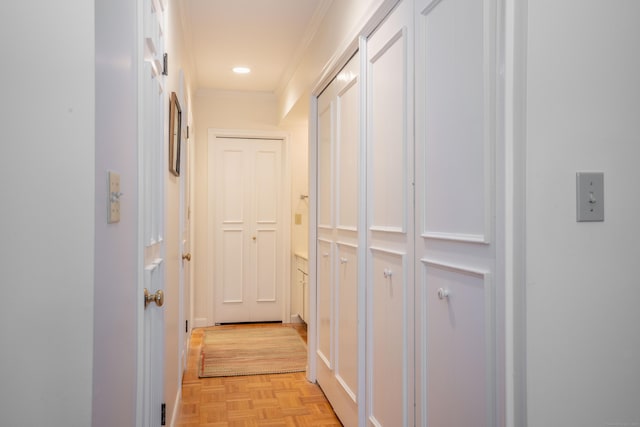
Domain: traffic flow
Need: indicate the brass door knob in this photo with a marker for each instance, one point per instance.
(158, 298)
(186, 256)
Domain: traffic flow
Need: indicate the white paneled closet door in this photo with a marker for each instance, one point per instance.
(389, 183)
(455, 239)
(248, 232)
(337, 241)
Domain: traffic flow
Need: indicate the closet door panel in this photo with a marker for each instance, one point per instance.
(458, 306)
(456, 122)
(325, 165)
(346, 367)
(348, 119)
(387, 74)
(324, 301)
(387, 339)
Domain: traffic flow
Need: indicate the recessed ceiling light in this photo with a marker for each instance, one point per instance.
(242, 70)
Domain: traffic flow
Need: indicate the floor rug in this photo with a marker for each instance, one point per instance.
(251, 351)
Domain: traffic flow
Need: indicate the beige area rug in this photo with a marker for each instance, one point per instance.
(251, 351)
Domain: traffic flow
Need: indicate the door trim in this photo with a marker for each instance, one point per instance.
(285, 215)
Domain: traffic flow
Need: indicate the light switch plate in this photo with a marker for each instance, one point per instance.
(113, 197)
(590, 196)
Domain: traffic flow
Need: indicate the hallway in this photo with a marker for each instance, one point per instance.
(257, 400)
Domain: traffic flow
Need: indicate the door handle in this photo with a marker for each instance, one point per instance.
(443, 293)
(186, 256)
(158, 298)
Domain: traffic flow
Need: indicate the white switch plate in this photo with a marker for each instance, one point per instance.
(113, 197)
(590, 196)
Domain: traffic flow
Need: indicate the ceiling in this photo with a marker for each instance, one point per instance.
(267, 36)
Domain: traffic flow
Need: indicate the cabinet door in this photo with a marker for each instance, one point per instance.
(297, 292)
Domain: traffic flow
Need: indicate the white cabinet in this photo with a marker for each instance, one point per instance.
(300, 289)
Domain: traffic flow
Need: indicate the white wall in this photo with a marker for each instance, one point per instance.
(47, 213)
(116, 268)
(583, 291)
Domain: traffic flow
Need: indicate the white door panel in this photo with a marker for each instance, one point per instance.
(232, 266)
(325, 163)
(266, 272)
(324, 301)
(458, 332)
(387, 340)
(387, 139)
(455, 120)
(346, 354)
(153, 347)
(347, 142)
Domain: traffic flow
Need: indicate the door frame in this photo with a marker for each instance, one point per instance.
(284, 220)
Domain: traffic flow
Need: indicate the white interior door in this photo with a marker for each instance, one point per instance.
(390, 280)
(455, 193)
(152, 169)
(248, 240)
(337, 241)
(185, 268)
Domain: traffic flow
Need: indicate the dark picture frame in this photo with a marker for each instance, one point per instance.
(175, 134)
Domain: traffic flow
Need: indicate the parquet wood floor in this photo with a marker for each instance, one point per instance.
(255, 400)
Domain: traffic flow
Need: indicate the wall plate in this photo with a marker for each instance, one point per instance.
(589, 196)
(113, 197)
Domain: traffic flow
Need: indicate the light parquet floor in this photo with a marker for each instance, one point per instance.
(254, 400)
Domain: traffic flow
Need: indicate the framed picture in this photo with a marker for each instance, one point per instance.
(175, 134)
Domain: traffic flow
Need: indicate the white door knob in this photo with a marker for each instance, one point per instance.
(443, 293)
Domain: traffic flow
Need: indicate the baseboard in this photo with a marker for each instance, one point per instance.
(295, 318)
(176, 407)
(200, 322)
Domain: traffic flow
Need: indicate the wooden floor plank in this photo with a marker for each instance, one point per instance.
(282, 400)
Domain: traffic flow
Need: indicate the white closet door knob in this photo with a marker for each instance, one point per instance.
(443, 293)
